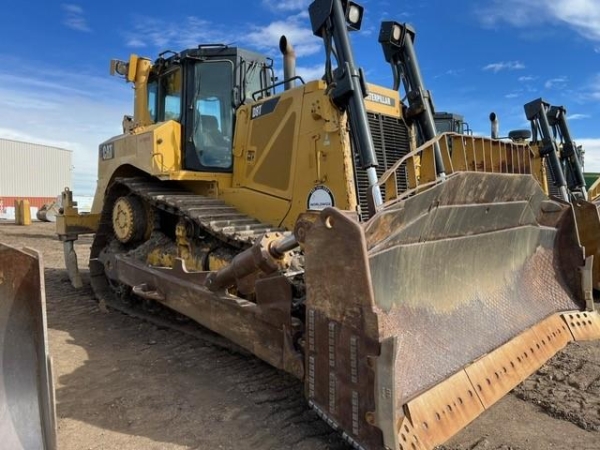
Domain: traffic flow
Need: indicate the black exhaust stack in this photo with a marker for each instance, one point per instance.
(495, 125)
(289, 63)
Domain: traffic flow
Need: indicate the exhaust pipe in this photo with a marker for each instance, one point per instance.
(495, 125)
(289, 62)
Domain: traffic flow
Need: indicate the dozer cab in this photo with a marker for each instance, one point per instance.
(27, 411)
(307, 226)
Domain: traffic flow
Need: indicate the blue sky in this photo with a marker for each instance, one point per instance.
(475, 57)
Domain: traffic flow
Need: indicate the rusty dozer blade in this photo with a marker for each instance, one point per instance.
(423, 317)
(27, 411)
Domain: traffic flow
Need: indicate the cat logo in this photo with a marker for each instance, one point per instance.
(107, 151)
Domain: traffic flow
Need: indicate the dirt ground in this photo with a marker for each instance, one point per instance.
(122, 383)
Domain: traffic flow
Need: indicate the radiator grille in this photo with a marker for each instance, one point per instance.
(391, 141)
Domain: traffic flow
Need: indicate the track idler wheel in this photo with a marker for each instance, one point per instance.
(130, 219)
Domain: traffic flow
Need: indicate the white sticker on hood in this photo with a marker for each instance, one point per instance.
(320, 197)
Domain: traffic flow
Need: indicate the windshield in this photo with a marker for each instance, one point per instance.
(213, 113)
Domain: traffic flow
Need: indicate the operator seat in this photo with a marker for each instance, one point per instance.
(213, 148)
(212, 137)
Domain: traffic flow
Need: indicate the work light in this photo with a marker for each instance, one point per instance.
(320, 12)
(354, 14)
(391, 33)
(119, 67)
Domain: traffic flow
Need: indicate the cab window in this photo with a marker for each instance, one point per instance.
(152, 97)
(213, 113)
(170, 94)
(253, 77)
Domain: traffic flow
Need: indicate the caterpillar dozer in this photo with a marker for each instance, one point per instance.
(557, 165)
(27, 411)
(406, 291)
(551, 137)
(547, 152)
(563, 159)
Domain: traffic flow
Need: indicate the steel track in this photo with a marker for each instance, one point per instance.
(211, 216)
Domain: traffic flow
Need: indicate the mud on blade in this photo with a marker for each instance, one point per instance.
(27, 413)
(430, 312)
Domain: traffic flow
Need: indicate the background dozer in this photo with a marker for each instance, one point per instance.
(563, 159)
(27, 412)
(551, 135)
(556, 162)
(309, 228)
(548, 152)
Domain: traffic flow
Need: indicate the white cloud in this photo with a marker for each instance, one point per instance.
(160, 34)
(450, 73)
(592, 153)
(556, 83)
(308, 73)
(286, 5)
(454, 72)
(504, 65)
(583, 16)
(311, 73)
(295, 28)
(578, 116)
(512, 95)
(527, 78)
(16, 135)
(75, 18)
(135, 42)
(592, 91)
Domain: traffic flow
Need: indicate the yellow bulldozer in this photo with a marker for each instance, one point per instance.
(409, 280)
(563, 160)
(557, 165)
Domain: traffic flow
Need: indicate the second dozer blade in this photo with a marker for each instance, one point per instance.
(27, 411)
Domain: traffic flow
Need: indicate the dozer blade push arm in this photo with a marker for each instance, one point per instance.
(69, 225)
(397, 41)
(347, 83)
(263, 327)
(557, 116)
(27, 411)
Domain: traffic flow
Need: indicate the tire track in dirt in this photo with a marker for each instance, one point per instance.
(568, 386)
(277, 396)
(141, 386)
(111, 397)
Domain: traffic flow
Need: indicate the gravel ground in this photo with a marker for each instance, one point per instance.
(122, 383)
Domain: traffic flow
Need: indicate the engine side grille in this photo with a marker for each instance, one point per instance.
(552, 188)
(391, 141)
